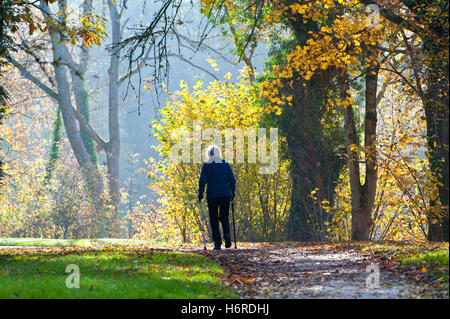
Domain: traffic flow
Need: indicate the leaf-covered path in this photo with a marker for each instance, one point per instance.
(311, 271)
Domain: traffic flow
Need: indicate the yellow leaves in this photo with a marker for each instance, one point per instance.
(244, 279)
(342, 46)
(213, 63)
(403, 140)
(298, 8)
(308, 75)
(353, 147)
(337, 45)
(220, 105)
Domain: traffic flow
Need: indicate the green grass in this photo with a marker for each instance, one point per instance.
(109, 273)
(74, 242)
(435, 262)
(439, 258)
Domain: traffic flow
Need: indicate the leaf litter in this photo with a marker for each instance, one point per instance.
(317, 270)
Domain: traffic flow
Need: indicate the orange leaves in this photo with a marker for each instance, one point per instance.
(244, 279)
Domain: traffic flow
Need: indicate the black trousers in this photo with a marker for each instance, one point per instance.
(219, 210)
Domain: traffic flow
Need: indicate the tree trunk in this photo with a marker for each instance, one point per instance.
(61, 60)
(78, 76)
(54, 150)
(113, 146)
(435, 99)
(437, 115)
(362, 195)
(314, 161)
(369, 189)
(359, 224)
(64, 99)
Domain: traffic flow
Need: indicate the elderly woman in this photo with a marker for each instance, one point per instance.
(217, 174)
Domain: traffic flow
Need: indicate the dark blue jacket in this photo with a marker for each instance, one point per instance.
(220, 180)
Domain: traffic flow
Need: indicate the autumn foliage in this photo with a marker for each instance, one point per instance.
(359, 90)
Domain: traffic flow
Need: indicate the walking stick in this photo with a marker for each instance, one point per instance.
(203, 225)
(234, 225)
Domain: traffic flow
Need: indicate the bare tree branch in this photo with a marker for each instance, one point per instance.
(247, 59)
(92, 133)
(26, 74)
(179, 56)
(200, 45)
(134, 70)
(50, 92)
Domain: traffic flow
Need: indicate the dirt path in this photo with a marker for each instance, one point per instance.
(309, 271)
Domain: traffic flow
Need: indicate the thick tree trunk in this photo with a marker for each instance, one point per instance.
(437, 115)
(300, 225)
(314, 162)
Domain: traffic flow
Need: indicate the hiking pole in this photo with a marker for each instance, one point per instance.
(234, 225)
(203, 225)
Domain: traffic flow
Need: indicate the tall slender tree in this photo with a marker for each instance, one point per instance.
(70, 72)
(429, 21)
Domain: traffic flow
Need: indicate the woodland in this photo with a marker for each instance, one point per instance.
(93, 94)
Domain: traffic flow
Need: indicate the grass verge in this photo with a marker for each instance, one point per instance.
(75, 242)
(109, 273)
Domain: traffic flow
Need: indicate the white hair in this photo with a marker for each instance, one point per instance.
(213, 153)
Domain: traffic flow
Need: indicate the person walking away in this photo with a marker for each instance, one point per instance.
(218, 175)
